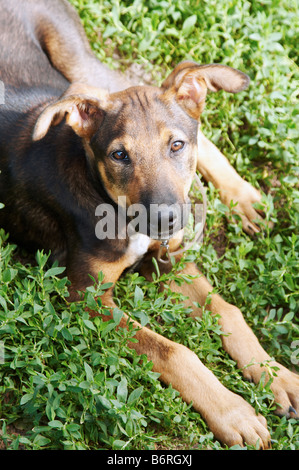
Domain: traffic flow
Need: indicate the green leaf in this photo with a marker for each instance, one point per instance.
(89, 324)
(188, 25)
(255, 37)
(109, 31)
(242, 264)
(41, 441)
(143, 317)
(88, 372)
(138, 295)
(55, 424)
(219, 206)
(3, 303)
(26, 398)
(117, 315)
(66, 334)
(73, 427)
(289, 316)
(9, 274)
(122, 390)
(118, 444)
(135, 395)
(52, 272)
(104, 402)
(107, 326)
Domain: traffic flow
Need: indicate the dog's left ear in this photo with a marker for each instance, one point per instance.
(81, 106)
(189, 83)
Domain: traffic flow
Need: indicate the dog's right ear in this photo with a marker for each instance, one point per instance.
(83, 109)
(189, 82)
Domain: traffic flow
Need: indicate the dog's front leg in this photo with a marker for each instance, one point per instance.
(229, 417)
(215, 167)
(241, 343)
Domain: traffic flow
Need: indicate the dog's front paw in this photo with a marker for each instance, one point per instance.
(243, 196)
(238, 424)
(286, 391)
(285, 387)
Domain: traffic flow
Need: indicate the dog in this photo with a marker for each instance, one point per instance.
(75, 135)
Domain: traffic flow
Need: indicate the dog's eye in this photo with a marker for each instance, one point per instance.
(177, 145)
(120, 155)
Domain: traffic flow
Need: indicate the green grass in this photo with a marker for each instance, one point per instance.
(71, 382)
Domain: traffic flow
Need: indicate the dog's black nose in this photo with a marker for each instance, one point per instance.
(163, 221)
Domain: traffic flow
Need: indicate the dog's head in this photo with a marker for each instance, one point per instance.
(142, 141)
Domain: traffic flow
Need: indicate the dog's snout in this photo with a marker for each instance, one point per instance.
(164, 220)
(167, 217)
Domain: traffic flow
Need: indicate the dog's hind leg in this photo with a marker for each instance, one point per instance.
(62, 36)
(215, 167)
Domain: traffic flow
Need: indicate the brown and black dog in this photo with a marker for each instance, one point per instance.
(74, 135)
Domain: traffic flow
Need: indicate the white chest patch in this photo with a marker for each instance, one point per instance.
(138, 246)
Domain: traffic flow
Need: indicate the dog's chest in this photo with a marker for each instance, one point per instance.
(138, 246)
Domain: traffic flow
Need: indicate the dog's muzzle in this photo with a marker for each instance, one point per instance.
(166, 220)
